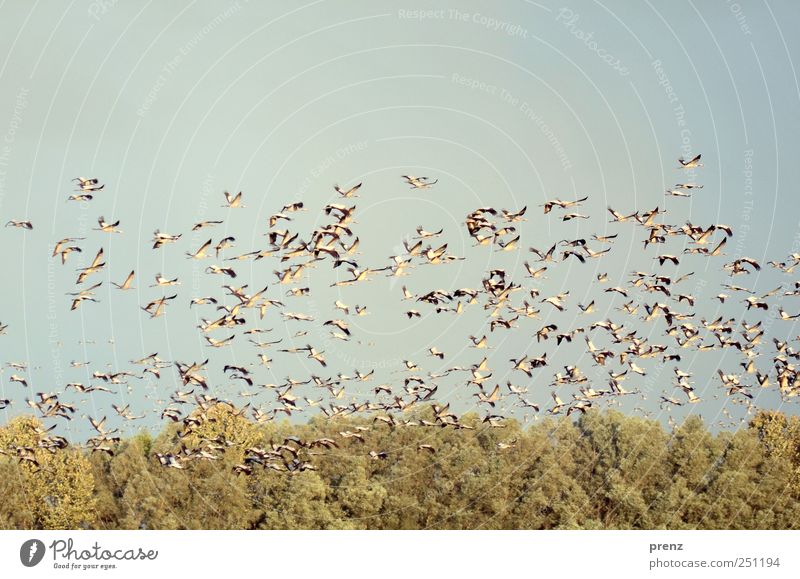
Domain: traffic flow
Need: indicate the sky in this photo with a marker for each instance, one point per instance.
(507, 105)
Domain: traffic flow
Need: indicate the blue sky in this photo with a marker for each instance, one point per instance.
(507, 105)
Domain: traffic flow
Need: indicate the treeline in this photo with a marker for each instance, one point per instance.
(604, 471)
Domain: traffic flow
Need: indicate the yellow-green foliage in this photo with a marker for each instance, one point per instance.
(56, 493)
(604, 471)
(780, 435)
(223, 421)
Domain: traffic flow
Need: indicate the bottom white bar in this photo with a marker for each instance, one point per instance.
(354, 554)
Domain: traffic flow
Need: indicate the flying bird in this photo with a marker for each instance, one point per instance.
(691, 163)
(20, 224)
(419, 182)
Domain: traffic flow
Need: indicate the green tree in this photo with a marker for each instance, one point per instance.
(57, 484)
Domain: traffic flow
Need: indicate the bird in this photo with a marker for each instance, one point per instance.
(492, 398)
(514, 216)
(509, 245)
(65, 251)
(106, 227)
(96, 265)
(233, 201)
(223, 244)
(479, 343)
(534, 273)
(548, 206)
(20, 224)
(619, 218)
(341, 324)
(785, 316)
(83, 295)
(88, 184)
(85, 197)
(156, 307)
(219, 343)
(422, 234)
(169, 460)
(202, 251)
(419, 182)
(162, 281)
(546, 255)
(203, 301)
(204, 224)
(60, 245)
(678, 193)
(347, 193)
(216, 269)
(436, 353)
(18, 379)
(691, 163)
(557, 301)
(160, 239)
(127, 284)
(659, 318)
(663, 258)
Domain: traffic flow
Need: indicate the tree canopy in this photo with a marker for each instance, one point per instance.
(604, 471)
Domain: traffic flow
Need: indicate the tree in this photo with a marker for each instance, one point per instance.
(780, 436)
(57, 484)
(621, 465)
(605, 470)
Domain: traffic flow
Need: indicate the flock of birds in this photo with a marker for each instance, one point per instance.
(654, 300)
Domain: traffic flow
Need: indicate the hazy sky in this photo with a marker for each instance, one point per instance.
(507, 104)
